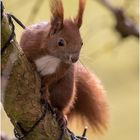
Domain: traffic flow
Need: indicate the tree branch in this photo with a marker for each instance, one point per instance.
(21, 92)
(124, 25)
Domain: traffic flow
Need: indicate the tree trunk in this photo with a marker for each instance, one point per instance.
(21, 92)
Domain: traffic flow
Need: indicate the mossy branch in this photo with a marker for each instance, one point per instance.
(21, 92)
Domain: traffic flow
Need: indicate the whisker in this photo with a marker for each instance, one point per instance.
(83, 65)
(86, 57)
(90, 61)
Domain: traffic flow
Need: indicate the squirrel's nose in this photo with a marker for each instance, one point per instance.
(74, 59)
(71, 59)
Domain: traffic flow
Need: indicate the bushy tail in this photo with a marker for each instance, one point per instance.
(91, 102)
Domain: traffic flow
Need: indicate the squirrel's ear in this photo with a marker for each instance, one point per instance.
(57, 16)
(78, 19)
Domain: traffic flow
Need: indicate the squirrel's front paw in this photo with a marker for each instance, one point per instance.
(44, 95)
(61, 119)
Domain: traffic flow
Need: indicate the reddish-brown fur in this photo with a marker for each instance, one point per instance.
(91, 101)
(79, 16)
(71, 88)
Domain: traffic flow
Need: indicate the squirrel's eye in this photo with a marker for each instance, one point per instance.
(61, 42)
(81, 43)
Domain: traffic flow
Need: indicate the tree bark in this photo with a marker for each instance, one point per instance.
(21, 92)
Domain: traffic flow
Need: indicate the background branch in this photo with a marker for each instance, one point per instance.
(21, 92)
(124, 25)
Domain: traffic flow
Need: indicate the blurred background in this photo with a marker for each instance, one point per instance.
(111, 56)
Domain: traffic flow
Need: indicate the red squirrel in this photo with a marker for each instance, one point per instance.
(54, 48)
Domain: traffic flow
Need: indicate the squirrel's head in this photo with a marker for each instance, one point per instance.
(64, 40)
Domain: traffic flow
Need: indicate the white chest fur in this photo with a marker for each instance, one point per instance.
(47, 65)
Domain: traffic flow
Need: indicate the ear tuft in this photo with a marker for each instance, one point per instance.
(57, 16)
(78, 19)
